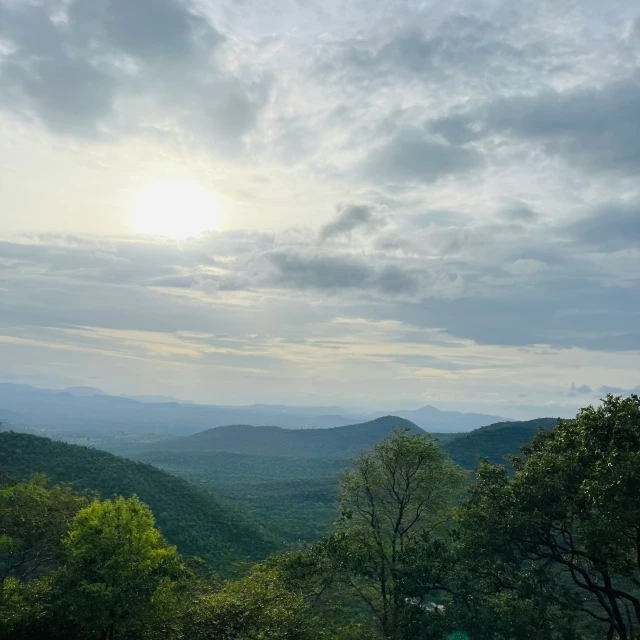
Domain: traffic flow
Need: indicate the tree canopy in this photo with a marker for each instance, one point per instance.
(548, 550)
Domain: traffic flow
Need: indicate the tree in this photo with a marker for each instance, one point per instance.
(396, 500)
(571, 515)
(33, 520)
(116, 564)
(257, 606)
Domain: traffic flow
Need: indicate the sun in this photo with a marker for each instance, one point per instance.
(176, 209)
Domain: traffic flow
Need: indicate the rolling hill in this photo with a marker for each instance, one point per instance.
(495, 441)
(196, 520)
(290, 477)
(338, 442)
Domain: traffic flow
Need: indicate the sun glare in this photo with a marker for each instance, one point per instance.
(176, 209)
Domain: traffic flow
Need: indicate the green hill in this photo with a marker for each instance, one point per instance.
(337, 442)
(290, 477)
(196, 520)
(495, 441)
(286, 476)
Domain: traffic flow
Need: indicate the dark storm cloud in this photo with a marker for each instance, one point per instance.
(410, 156)
(594, 127)
(71, 73)
(350, 218)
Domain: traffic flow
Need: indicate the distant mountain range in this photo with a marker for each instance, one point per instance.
(89, 409)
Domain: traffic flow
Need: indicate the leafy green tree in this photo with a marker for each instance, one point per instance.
(25, 608)
(116, 567)
(256, 607)
(570, 516)
(398, 498)
(33, 520)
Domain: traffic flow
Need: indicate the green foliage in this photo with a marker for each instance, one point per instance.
(495, 442)
(33, 519)
(115, 562)
(24, 608)
(194, 519)
(395, 504)
(297, 496)
(570, 513)
(256, 607)
(549, 552)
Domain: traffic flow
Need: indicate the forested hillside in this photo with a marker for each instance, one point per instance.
(338, 442)
(298, 496)
(495, 441)
(296, 489)
(196, 520)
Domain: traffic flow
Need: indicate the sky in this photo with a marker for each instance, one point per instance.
(377, 204)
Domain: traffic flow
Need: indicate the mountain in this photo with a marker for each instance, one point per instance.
(84, 391)
(196, 520)
(434, 420)
(338, 442)
(157, 399)
(86, 411)
(495, 441)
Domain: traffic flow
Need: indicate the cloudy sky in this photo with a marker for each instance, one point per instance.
(370, 203)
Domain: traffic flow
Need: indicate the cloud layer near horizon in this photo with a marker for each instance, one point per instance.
(443, 189)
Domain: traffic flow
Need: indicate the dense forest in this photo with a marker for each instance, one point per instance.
(290, 478)
(193, 518)
(544, 548)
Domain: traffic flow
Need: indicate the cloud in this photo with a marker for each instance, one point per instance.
(155, 30)
(520, 212)
(592, 127)
(527, 266)
(612, 226)
(351, 218)
(341, 273)
(583, 389)
(410, 156)
(459, 44)
(620, 390)
(96, 68)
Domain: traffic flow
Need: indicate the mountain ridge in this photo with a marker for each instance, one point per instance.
(337, 442)
(88, 409)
